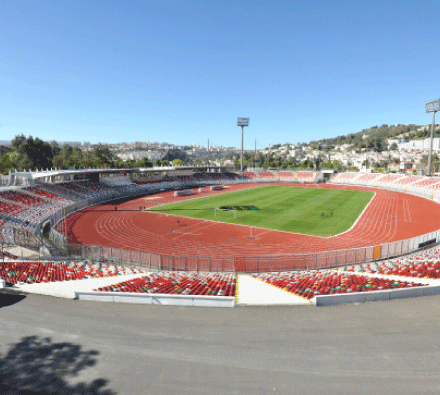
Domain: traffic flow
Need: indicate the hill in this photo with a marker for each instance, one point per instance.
(375, 137)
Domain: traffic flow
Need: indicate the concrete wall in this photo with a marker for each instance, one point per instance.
(361, 297)
(184, 192)
(160, 299)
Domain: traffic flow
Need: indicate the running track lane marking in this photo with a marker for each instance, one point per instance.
(406, 211)
(368, 229)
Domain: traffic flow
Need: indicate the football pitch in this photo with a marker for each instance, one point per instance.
(312, 211)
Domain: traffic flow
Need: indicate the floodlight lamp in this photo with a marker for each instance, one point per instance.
(432, 106)
(242, 121)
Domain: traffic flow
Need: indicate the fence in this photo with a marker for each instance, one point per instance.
(244, 264)
(337, 258)
(15, 236)
(307, 261)
(147, 260)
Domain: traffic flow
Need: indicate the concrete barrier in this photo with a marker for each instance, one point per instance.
(184, 192)
(389, 294)
(160, 299)
(2, 284)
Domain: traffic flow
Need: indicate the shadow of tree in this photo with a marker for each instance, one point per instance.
(10, 298)
(36, 365)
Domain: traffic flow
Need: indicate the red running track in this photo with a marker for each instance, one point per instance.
(389, 217)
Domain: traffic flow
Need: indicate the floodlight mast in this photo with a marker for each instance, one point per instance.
(242, 122)
(431, 106)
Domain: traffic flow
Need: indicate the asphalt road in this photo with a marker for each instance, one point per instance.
(75, 347)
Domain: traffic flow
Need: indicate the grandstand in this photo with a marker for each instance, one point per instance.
(306, 176)
(389, 179)
(249, 175)
(46, 198)
(424, 265)
(39, 272)
(345, 178)
(408, 180)
(313, 283)
(368, 179)
(212, 284)
(268, 175)
(25, 209)
(287, 176)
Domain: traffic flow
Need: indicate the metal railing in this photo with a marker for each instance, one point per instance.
(249, 264)
(300, 261)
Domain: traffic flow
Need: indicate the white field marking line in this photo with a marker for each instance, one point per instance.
(126, 234)
(191, 232)
(178, 233)
(132, 242)
(189, 227)
(405, 218)
(193, 197)
(165, 237)
(357, 220)
(263, 233)
(218, 192)
(364, 227)
(381, 223)
(275, 230)
(407, 211)
(125, 240)
(384, 222)
(132, 232)
(166, 240)
(226, 245)
(390, 219)
(247, 226)
(101, 226)
(396, 218)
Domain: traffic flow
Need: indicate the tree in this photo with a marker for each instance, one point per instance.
(144, 162)
(130, 163)
(394, 147)
(18, 142)
(32, 154)
(177, 162)
(102, 154)
(69, 158)
(5, 163)
(55, 147)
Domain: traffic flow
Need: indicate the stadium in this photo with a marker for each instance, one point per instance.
(144, 252)
(189, 232)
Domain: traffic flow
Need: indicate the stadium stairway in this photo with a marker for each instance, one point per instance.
(251, 291)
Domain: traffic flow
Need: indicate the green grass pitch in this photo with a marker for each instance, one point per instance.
(289, 209)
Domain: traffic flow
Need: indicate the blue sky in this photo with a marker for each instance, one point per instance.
(183, 71)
